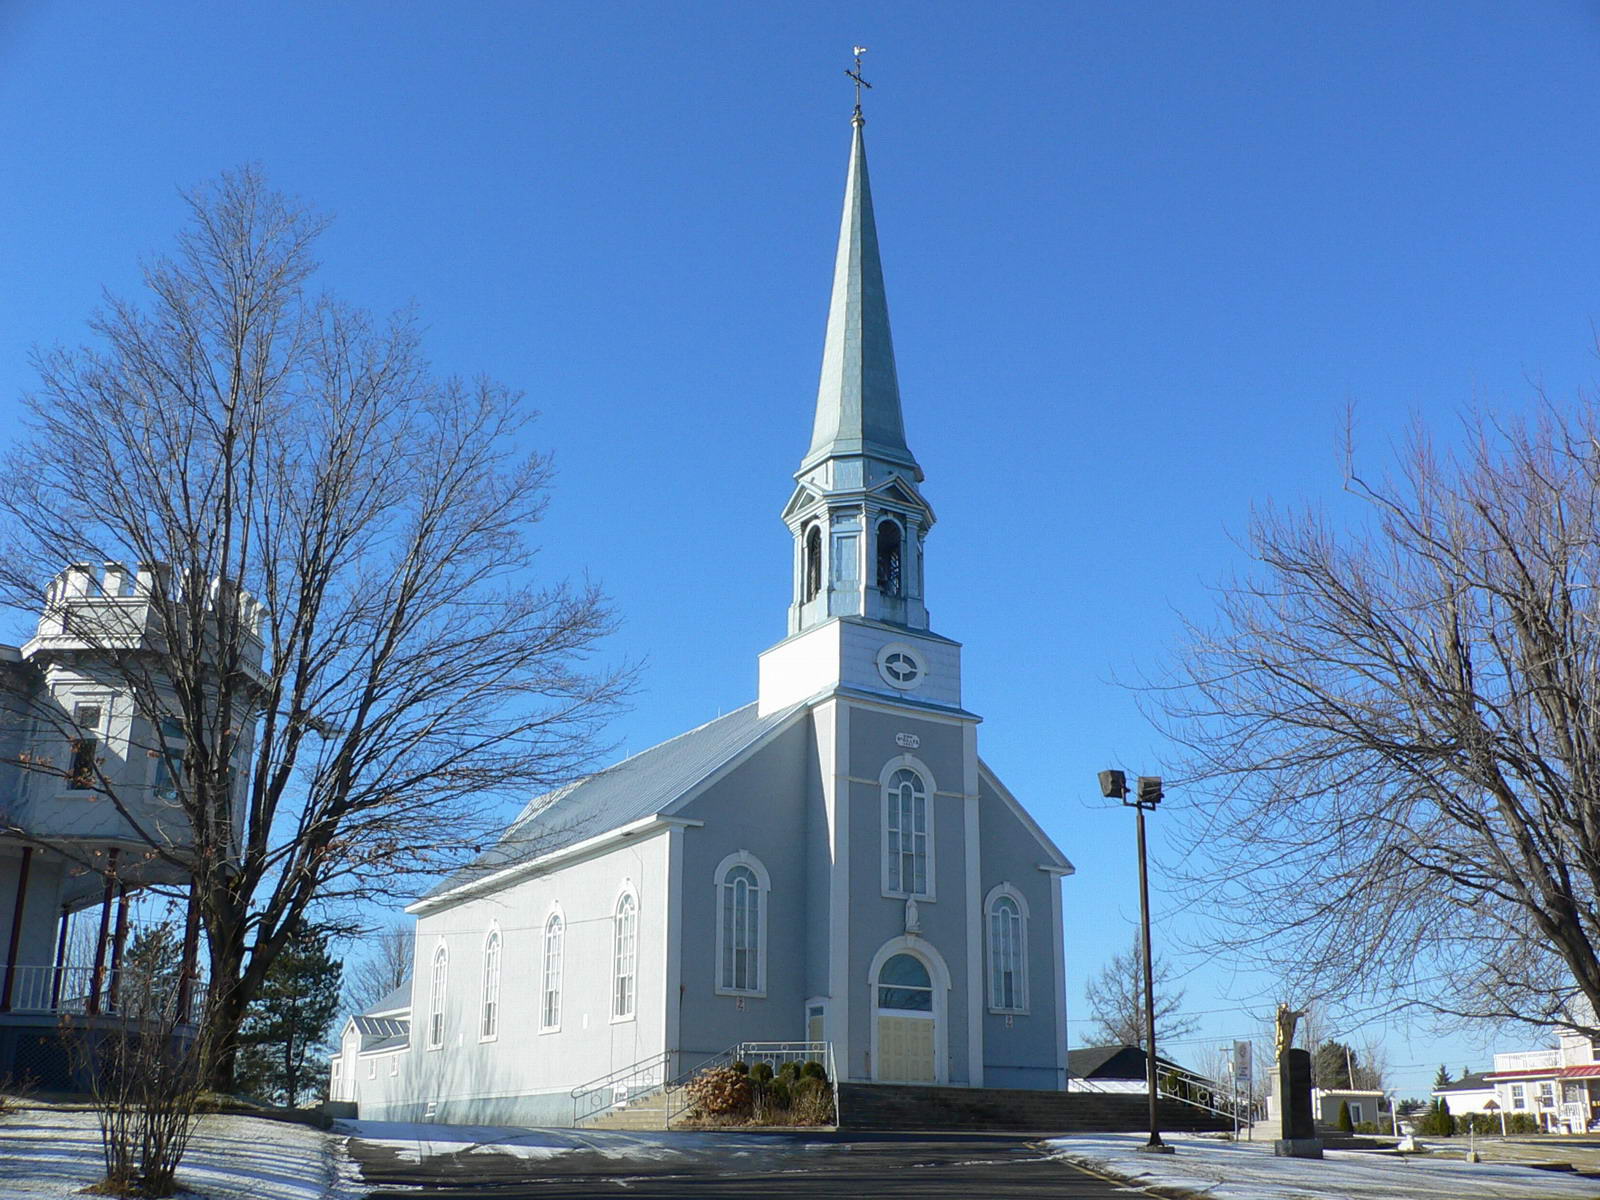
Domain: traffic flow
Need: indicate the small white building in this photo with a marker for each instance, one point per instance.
(1470, 1094)
(832, 864)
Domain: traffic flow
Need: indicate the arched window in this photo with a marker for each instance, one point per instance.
(626, 957)
(741, 925)
(491, 986)
(906, 834)
(550, 1011)
(1008, 974)
(903, 984)
(889, 573)
(441, 968)
(813, 562)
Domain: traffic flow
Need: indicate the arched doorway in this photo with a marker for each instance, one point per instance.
(909, 991)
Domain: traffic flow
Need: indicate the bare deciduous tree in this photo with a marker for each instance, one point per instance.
(379, 963)
(341, 646)
(1116, 998)
(1394, 777)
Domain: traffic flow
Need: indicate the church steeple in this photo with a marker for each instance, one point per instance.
(858, 398)
(857, 517)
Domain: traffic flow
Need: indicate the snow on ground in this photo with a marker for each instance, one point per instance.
(414, 1142)
(1249, 1171)
(50, 1154)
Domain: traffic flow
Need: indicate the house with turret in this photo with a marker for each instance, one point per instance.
(89, 806)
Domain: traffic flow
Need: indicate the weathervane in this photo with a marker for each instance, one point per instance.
(860, 83)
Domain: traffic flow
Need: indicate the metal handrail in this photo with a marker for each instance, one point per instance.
(620, 1086)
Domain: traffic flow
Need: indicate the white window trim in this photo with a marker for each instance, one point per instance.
(912, 763)
(438, 990)
(916, 655)
(556, 913)
(493, 937)
(627, 890)
(101, 734)
(1009, 892)
(743, 858)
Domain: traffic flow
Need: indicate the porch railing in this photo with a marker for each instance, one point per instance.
(71, 990)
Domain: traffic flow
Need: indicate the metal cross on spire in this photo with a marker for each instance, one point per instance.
(858, 119)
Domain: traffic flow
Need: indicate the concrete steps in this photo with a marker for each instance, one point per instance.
(647, 1112)
(886, 1106)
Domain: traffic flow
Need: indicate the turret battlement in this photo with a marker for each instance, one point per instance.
(109, 606)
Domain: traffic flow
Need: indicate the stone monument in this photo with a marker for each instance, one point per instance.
(1291, 1093)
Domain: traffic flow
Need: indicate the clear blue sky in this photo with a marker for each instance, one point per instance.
(1139, 259)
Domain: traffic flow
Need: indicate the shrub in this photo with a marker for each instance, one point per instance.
(761, 1074)
(813, 1070)
(1367, 1127)
(721, 1092)
(741, 1066)
(1346, 1125)
(1437, 1121)
(813, 1101)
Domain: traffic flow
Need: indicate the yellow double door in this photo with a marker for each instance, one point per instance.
(905, 1049)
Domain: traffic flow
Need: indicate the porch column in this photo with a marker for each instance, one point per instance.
(118, 943)
(16, 930)
(97, 981)
(191, 952)
(61, 960)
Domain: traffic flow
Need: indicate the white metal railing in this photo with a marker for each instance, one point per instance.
(51, 989)
(617, 1088)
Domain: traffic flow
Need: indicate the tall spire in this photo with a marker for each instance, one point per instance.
(858, 399)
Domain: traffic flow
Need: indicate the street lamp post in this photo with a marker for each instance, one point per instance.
(1147, 794)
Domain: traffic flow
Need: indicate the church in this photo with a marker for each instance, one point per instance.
(833, 863)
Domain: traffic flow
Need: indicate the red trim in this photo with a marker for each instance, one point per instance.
(1588, 1071)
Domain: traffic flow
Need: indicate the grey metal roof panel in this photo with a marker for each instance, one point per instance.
(395, 1001)
(379, 1027)
(388, 1043)
(635, 788)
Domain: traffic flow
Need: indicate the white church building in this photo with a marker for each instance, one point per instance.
(832, 863)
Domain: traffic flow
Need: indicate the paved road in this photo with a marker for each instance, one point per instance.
(935, 1165)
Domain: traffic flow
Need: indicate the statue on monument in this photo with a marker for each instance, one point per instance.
(1287, 1018)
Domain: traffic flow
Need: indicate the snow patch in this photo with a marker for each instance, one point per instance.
(1250, 1171)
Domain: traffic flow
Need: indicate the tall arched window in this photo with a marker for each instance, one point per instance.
(490, 1026)
(889, 545)
(1008, 970)
(550, 1010)
(813, 562)
(741, 925)
(625, 958)
(905, 834)
(441, 969)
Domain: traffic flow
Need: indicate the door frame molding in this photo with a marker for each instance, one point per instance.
(924, 951)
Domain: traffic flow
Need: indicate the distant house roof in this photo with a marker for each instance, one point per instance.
(395, 1001)
(635, 788)
(1478, 1081)
(380, 1033)
(1112, 1062)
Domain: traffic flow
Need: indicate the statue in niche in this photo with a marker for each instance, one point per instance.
(913, 920)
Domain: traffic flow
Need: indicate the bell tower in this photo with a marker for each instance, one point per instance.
(857, 517)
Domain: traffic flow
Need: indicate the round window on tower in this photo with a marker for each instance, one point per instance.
(901, 666)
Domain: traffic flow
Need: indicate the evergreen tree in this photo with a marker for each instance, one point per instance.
(151, 968)
(1346, 1125)
(1443, 1077)
(1333, 1064)
(285, 1028)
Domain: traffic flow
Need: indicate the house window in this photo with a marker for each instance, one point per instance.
(85, 746)
(441, 965)
(1519, 1098)
(1008, 980)
(889, 558)
(625, 958)
(1547, 1095)
(813, 563)
(906, 834)
(491, 985)
(550, 1013)
(741, 925)
(168, 752)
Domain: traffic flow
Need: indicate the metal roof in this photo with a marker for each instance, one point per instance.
(635, 788)
(395, 1001)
